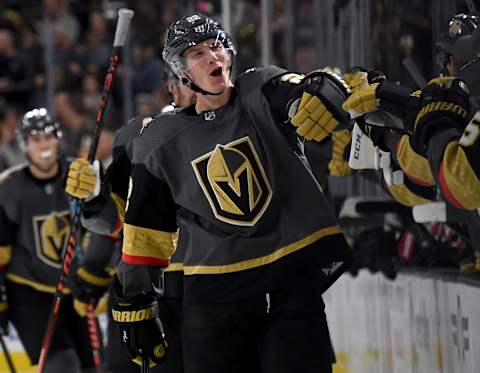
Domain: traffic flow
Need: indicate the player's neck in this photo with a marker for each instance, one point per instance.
(211, 102)
(42, 173)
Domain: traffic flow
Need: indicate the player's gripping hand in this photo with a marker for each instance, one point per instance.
(88, 286)
(363, 100)
(444, 102)
(3, 306)
(83, 179)
(318, 111)
(140, 327)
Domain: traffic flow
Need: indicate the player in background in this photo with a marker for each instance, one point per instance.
(34, 228)
(104, 214)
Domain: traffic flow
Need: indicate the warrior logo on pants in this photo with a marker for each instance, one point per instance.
(234, 182)
(51, 235)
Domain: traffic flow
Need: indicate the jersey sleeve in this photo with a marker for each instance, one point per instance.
(150, 220)
(453, 156)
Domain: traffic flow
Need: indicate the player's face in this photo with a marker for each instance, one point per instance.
(42, 150)
(208, 65)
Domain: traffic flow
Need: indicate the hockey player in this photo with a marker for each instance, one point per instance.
(255, 225)
(34, 228)
(105, 215)
(443, 148)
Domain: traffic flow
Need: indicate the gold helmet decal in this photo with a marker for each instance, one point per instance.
(234, 182)
(51, 235)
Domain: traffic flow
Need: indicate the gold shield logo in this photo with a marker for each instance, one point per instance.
(234, 182)
(51, 235)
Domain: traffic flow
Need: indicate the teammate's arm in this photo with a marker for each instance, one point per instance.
(451, 142)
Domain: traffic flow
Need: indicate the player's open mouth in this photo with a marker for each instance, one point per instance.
(46, 154)
(217, 72)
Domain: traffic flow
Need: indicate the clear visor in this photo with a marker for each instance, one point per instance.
(203, 52)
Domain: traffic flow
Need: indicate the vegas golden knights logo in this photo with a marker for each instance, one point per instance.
(51, 235)
(234, 182)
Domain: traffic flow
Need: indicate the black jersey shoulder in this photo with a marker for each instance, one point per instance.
(255, 78)
(132, 129)
(13, 173)
(163, 129)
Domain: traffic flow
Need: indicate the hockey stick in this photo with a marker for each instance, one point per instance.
(7, 355)
(124, 18)
(94, 334)
(412, 69)
(145, 365)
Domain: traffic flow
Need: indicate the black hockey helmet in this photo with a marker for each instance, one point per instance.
(168, 76)
(189, 31)
(461, 40)
(35, 122)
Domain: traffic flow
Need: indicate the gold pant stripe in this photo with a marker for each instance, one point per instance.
(138, 241)
(257, 262)
(460, 179)
(37, 286)
(413, 164)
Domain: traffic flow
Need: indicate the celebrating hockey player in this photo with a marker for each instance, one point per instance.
(256, 227)
(34, 228)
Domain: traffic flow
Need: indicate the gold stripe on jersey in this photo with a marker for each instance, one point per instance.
(119, 204)
(413, 164)
(3, 307)
(33, 284)
(174, 267)
(460, 178)
(405, 196)
(151, 243)
(93, 279)
(5, 255)
(267, 259)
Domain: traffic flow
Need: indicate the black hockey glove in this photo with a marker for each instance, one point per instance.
(444, 102)
(3, 306)
(140, 327)
(317, 112)
(88, 285)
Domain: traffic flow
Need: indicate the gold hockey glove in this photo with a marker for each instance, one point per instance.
(338, 165)
(88, 287)
(318, 111)
(83, 180)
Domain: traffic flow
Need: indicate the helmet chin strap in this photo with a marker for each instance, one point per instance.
(195, 88)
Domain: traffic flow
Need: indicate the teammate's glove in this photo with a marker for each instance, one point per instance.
(318, 111)
(88, 286)
(338, 165)
(3, 306)
(141, 329)
(444, 102)
(83, 179)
